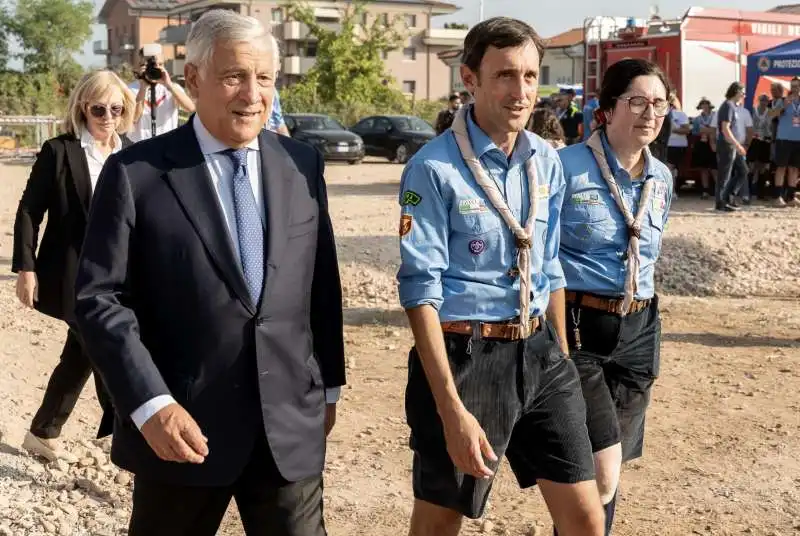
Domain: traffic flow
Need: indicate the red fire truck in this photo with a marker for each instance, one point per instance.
(702, 53)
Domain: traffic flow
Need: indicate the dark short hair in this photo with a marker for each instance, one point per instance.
(733, 89)
(454, 96)
(545, 124)
(498, 32)
(619, 77)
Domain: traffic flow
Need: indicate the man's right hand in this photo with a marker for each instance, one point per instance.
(175, 436)
(467, 443)
(26, 287)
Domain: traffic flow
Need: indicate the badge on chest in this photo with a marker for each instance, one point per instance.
(472, 206)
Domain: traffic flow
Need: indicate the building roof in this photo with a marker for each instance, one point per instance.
(167, 5)
(566, 39)
(438, 8)
(792, 9)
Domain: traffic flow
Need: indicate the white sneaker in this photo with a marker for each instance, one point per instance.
(49, 449)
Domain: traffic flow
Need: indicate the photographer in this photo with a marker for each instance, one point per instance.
(169, 97)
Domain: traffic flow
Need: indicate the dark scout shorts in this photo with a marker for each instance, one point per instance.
(618, 363)
(526, 397)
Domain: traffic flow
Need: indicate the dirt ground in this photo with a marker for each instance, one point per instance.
(722, 452)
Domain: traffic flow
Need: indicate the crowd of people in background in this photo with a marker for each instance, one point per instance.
(727, 152)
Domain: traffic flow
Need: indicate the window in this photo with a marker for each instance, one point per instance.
(411, 21)
(310, 49)
(409, 86)
(384, 55)
(544, 76)
(364, 19)
(410, 54)
(384, 19)
(277, 15)
(366, 124)
(382, 124)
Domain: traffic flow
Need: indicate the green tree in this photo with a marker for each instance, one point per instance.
(349, 73)
(50, 32)
(455, 26)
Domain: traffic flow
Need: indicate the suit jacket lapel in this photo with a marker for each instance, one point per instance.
(79, 170)
(192, 184)
(277, 170)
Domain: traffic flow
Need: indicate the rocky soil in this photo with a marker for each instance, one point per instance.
(723, 433)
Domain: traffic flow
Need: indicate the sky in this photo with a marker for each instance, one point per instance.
(548, 21)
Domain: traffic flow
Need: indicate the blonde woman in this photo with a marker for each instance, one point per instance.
(60, 185)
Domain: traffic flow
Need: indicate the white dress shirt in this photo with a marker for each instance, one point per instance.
(220, 169)
(94, 157)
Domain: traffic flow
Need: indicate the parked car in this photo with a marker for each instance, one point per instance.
(396, 137)
(333, 140)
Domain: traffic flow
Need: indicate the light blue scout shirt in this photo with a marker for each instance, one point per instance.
(457, 253)
(594, 237)
(276, 114)
(789, 121)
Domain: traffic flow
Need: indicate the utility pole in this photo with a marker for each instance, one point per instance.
(480, 10)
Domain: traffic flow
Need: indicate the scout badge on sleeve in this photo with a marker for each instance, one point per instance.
(405, 224)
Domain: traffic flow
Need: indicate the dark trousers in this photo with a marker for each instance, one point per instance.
(64, 389)
(732, 175)
(267, 503)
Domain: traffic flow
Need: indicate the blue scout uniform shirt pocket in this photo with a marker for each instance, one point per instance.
(476, 237)
(587, 219)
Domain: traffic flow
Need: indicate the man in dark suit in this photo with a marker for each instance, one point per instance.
(209, 297)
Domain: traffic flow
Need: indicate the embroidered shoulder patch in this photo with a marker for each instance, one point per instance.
(411, 198)
(405, 224)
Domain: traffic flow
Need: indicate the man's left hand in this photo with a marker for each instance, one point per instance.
(330, 418)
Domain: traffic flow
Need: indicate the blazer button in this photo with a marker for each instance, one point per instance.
(260, 321)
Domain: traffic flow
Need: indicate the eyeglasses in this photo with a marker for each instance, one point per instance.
(99, 110)
(637, 105)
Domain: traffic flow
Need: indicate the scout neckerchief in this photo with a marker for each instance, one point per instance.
(633, 263)
(522, 235)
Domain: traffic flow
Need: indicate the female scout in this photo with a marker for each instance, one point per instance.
(615, 208)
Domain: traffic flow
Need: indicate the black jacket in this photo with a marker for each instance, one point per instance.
(59, 186)
(163, 307)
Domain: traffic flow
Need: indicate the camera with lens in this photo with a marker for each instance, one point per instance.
(152, 71)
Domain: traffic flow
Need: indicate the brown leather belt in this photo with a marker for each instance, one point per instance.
(609, 305)
(491, 330)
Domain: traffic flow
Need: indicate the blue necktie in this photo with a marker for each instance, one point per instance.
(248, 225)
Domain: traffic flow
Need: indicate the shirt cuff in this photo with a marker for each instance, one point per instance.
(143, 413)
(332, 395)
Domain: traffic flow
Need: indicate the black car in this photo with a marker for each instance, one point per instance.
(396, 137)
(333, 140)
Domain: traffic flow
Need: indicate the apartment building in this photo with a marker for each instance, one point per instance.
(564, 59)
(415, 65)
(129, 25)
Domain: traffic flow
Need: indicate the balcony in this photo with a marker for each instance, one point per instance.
(297, 31)
(174, 35)
(175, 67)
(444, 37)
(297, 65)
(101, 47)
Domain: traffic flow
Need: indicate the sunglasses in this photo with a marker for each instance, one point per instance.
(99, 110)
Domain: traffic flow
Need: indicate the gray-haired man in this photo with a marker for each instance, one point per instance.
(209, 299)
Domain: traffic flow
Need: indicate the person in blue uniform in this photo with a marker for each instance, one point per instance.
(616, 204)
(482, 286)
